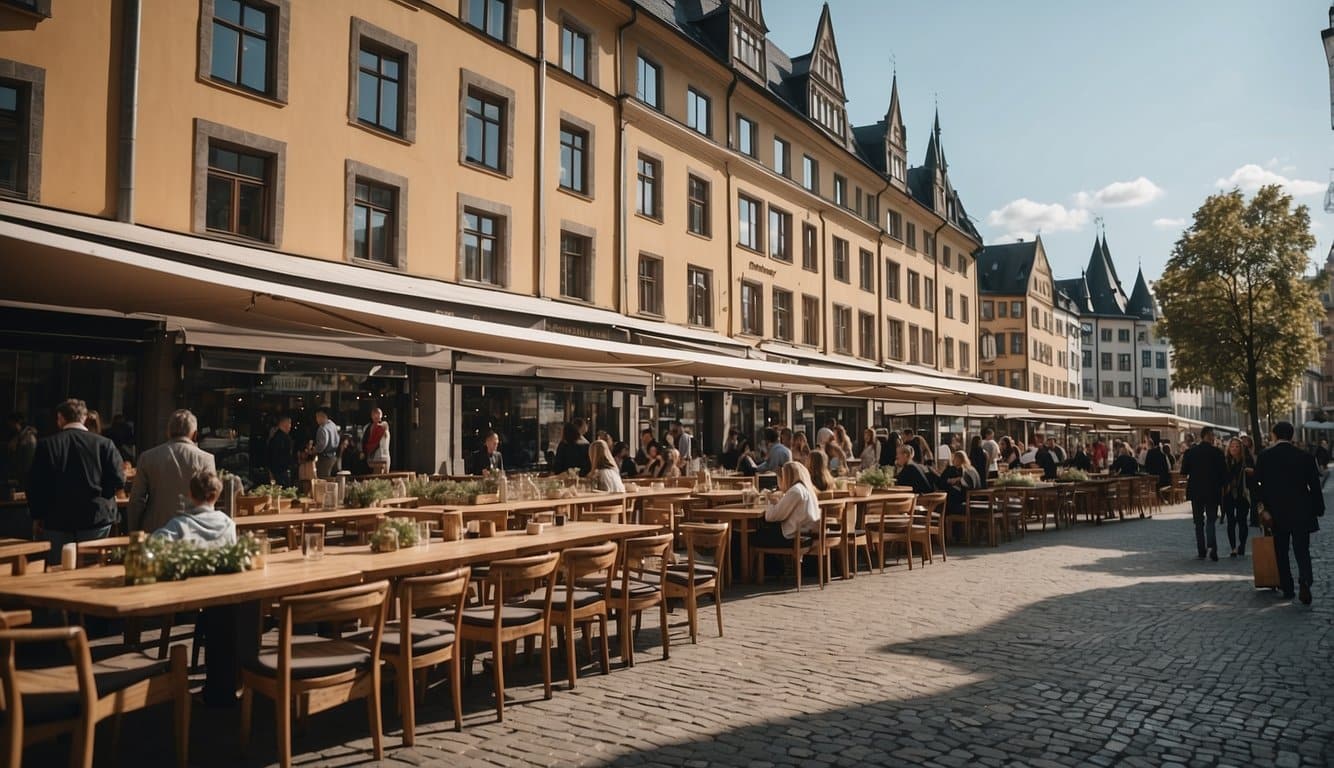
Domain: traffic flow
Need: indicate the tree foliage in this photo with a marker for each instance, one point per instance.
(1236, 303)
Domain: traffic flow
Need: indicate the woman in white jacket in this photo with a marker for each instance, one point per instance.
(795, 511)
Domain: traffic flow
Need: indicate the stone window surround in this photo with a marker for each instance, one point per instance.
(280, 49)
(206, 132)
(660, 292)
(564, 19)
(381, 38)
(511, 22)
(590, 234)
(659, 184)
(35, 79)
(469, 79)
(506, 216)
(589, 157)
(352, 170)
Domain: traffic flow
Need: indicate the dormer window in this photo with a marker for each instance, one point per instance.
(898, 167)
(828, 113)
(747, 47)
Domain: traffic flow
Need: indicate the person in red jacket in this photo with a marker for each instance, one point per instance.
(375, 442)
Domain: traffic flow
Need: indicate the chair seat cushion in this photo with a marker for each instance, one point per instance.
(428, 634)
(109, 676)
(510, 615)
(560, 594)
(314, 657)
(638, 589)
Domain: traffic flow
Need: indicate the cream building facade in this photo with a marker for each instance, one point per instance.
(1025, 340)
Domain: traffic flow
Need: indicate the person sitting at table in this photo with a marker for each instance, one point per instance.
(731, 450)
(870, 455)
(1081, 460)
(653, 461)
(977, 457)
(201, 524)
(1125, 463)
(671, 464)
(801, 449)
(821, 479)
(486, 459)
(778, 454)
(837, 458)
(570, 452)
(621, 453)
(921, 451)
(645, 442)
(745, 462)
(1009, 452)
(794, 512)
(959, 478)
(909, 473)
(841, 437)
(605, 476)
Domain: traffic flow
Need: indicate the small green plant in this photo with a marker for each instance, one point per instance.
(179, 560)
(271, 489)
(1015, 480)
(367, 492)
(1072, 475)
(877, 477)
(404, 527)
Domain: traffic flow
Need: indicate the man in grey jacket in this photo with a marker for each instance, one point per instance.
(163, 475)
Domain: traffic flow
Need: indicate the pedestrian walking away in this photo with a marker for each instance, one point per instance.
(162, 484)
(1205, 469)
(1289, 484)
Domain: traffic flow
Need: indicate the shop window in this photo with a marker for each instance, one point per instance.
(22, 94)
(782, 315)
(650, 285)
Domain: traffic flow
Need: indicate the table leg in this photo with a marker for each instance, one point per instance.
(745, 550)
(233, 640)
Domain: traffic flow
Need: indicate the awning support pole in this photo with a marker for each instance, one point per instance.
(698, 442)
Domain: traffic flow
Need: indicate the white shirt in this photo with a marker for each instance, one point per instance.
(943, 452)
(992, 450)
(797, 510)
(824, 435)
(608, 480)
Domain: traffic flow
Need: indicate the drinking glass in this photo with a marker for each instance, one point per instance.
(312, 546)
(423, 534)
(261, 561)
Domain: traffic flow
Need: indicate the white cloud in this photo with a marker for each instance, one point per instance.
(1121, 194)
(1025, 218)
(1169, 223)
(1251, 177)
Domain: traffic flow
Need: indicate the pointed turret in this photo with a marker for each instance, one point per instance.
(1141, 304)
(1104, 288)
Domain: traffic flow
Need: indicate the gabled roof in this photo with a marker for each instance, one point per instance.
(1077, 290)
(873, 140)
(1005, 269)
(1141, 303)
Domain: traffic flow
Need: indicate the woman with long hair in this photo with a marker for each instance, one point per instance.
(1009, 452)
(801, 449)
(959, 478)
(654, 461)
(977, 457)
(1237, 495)
(870, 455)
(671, 463)
(570, 452)
(820, 476)
(605, 476)
(837, 458)
(795, 512)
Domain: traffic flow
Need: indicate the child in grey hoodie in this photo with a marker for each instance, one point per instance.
(202, 524)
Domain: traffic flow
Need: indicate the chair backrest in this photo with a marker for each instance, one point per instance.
(96, 551)
(657, 512)
(523, 569)
(636, 551)
(608, 508)
(934, 504)
(701, 538)
(578, 562)
(441, 590)
(75, 642)
(363, 602)
(898, 506)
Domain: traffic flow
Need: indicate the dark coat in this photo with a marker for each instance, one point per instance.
(1290, 487)
(281, 457)
(1205, 468)
(912, 476)
(73, 481)
(1157, 463)
(571, 455)
(479, 461)
(1046, 459)
(1082, 461)
(1124, 465)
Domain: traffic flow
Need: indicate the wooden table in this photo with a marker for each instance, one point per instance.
(17, 551)
(739, 519)
(720, 496)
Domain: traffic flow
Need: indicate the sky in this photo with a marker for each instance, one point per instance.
(1056, 114)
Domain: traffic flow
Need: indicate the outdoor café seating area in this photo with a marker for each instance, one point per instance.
(411, 597)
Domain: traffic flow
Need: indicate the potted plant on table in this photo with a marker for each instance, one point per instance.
(393, 533)
(368, 493)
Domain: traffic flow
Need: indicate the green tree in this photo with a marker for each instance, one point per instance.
(1236, 302)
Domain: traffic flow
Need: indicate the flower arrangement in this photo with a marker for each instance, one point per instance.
(393, 533)
(272, 489)
(1072, 475)
(877, 477)
(173, 560)
(367, 492)
(1014, 480)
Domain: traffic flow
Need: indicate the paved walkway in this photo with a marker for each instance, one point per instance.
(1099, 646)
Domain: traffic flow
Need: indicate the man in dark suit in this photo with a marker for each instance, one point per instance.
(1156, 462)
(73, 481)
(282, 458)
(1206, 473)
(1290, 489)
(1047, 459)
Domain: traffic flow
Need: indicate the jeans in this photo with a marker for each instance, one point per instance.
(1237, 514)
(1206, 523)
(1301, 547)
(59, 539)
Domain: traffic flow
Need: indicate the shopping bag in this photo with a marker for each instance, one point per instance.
(1264, 563)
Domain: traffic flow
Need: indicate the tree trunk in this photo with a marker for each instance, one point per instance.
(1253, 394)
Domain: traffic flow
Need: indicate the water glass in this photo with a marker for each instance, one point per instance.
(423, 534)
(312, 545)
(261, 561)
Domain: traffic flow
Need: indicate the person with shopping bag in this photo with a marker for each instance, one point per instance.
(1290, 489)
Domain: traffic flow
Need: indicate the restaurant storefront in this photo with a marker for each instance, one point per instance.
(752, 413)
(811, 412)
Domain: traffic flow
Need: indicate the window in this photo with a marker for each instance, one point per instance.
(21, 117)
(988, 310)
(965, 357)
(374, 217)
(697, 111)
(752, 308)
(1000, 345)
(1017, 309)
(928, 347)
(1125, 389)
(841, 265)
(1105, 361)
(699, 296)
(576, 268)
(1088, 387)
(574, 51)
(1162, 388)
(810, 174)
(649, 204)
(894, 339)
(945, 257)
(947, 346)
(748, 222)
(892, 280)
(914, 345)
(810, 248)
(894, 224)
(929, 244)
(1123, 362)
(866, 335)
(380, 88)
(697, 206)
(842, 329)
(964, 310)
(782, 157)
(810, 321)
(866, 270)
(1105, 334)
(1123, 335)
(485, 130)
(1087, 360)
(747, 47)
(1146, 387)
(1036, 315)
(243, 45)
(1146, 359)
(914, 289)
(949, 303)
(1016, 343)
(747, 136)
(1108, 389)
(650, 285)
(1160, 360)
(782, 315)
(1002, 308)
(573, 159)
(840, 191)
(239, 191)
(648, 81)
(490, 16)
(780, 234)
(929, 294)
(1016, 379)
(481, 247)
(911, 239)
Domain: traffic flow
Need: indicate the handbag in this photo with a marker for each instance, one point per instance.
(1264, 563)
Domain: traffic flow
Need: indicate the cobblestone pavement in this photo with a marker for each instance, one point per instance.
(1099, 646)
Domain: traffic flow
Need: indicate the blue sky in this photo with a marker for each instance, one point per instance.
(1056, 112)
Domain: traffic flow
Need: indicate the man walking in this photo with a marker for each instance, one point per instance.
(1205, 469)
(73, 481)
(281, 458)
(162, 484)
(326, 444)
(992, 449)
(1290, 489)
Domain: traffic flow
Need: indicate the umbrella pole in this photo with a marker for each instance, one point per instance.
(935, 428)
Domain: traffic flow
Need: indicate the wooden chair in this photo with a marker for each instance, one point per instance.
(830, 539)
(931, 507)
(511, 617)
(892, 524)
(1012, 504)
(632, 593)
(701, 574)
(854, 536)
(51, 702)
(804, 543)
(318, 673)
(604, 513)
(97, 551)
(583, 596)
(414, 641)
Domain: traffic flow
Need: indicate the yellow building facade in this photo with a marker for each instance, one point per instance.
(1025, 345)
